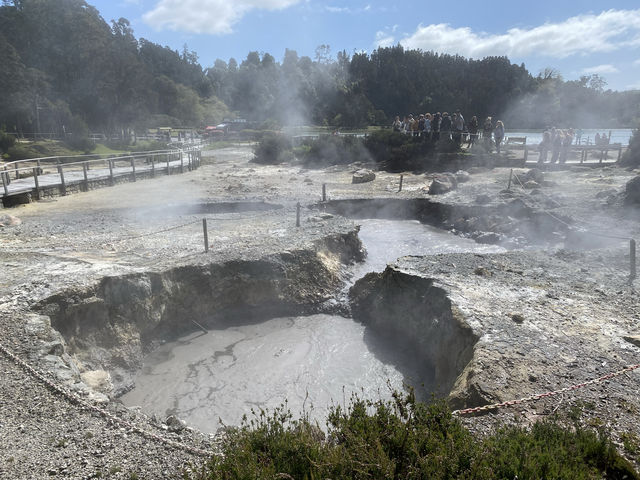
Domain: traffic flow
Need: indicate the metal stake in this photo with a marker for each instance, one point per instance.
(632, 259)
(206, 235)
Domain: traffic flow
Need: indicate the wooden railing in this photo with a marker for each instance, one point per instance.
(32, 176)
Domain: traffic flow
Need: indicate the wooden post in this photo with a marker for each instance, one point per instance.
(168, 167)
(153, 166)
(7, 176)
(15, 165)
(324, 192)
(133, 168)
(86, 178)
(4, 183)
(632, 259)
(63, 185)
(298, 214)
(111, 171)
(35, 179)
(206, 235)
(401, 179)
(182, 161)
(510, 175)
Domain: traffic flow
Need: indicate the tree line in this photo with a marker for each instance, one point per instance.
(65, 69)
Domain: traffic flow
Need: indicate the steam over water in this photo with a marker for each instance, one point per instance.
(309, 361)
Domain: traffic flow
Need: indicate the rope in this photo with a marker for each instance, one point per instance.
(155, 232)
(538, 396)
(74, 399)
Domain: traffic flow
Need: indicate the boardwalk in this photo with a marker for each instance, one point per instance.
(45, 177)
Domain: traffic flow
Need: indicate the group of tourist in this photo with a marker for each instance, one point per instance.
(433, 127)
(556, 141)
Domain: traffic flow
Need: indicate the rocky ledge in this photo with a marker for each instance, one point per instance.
(500, 327)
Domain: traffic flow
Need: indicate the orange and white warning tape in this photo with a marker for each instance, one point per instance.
(538, 396)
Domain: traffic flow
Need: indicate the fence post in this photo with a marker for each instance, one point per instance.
(6, 174)
(324, 192)
(15, 165)
(4, 183)
(63, 185)
(401, 180)
(298, 214)
(206, 235)
(632, 259)
(153, 166)
(37, 182)
(133, 168)
(510, 175)
(168, 167)
(182, 161)
(86, 178)
(111, 171)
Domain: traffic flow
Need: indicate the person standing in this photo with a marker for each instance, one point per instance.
(487, 130)
(473, 131)
(458, 127)
(498, 134)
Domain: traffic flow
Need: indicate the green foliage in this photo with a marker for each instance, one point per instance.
(272, 149)
(631, 156)
(6, 141)
(407, 439)
(395, 151)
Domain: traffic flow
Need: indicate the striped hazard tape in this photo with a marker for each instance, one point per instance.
(538, 396)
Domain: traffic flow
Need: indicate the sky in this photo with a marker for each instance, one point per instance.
(573, 38)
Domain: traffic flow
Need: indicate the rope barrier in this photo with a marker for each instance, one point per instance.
(532, 398)
(74, 399)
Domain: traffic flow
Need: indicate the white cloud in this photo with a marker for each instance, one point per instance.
(583, 34)
(600, 69)
(206, 16)
(384, 39)
(338, 9)
(636, 62)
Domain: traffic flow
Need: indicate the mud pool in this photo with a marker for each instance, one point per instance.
(211, 380)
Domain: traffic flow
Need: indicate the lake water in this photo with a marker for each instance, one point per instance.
(534, 137)
(213, 379)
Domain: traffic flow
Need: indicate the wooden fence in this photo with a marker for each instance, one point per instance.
(48, 176)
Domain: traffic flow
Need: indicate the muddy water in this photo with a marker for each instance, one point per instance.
(311, 361)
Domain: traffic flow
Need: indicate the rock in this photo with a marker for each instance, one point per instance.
(535, 175)
(632, 191)
(517, 318)
(442, 183)
(488, 237)
(531, 184)
(363, 176)
(98, 380)
(7, 220)
(462, 176)
(633, 339)
(174, 424)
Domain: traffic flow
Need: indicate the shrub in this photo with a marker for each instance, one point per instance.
(408, 439)
(395, 151)
(6, 141)
(335, 150)
(272, 149)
